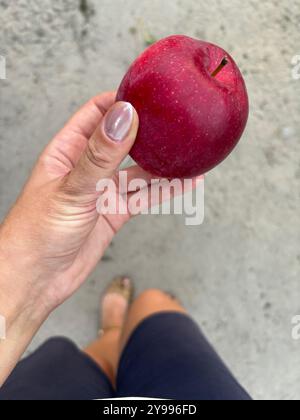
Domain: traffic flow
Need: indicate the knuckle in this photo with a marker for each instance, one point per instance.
(98, 156)
(68, 190)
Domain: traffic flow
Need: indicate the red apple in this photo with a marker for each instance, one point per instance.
(192, 103)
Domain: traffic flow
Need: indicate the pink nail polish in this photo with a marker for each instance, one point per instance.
(118, 121)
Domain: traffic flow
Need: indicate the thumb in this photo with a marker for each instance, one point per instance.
(106, 149)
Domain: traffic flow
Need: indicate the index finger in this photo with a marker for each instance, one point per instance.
(66, 148)
(85, 121)
(69, 144)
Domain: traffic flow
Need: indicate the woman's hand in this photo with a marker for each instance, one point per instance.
(53, 237)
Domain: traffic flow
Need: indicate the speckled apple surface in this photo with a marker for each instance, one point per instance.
(189, 120)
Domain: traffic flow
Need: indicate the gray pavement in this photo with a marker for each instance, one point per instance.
(238, 274)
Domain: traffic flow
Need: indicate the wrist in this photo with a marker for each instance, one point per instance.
(19, 324)
(21, 302)
(20, 307)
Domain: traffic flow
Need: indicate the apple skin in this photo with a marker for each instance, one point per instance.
(189, 120)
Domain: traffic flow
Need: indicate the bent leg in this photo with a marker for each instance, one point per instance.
(58, 370)
(165, 355)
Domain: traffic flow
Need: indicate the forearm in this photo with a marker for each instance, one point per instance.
(20, 308)
(20, 329)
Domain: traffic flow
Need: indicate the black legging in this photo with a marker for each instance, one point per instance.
(167, 356)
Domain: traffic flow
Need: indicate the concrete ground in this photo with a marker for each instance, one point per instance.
(238, 274)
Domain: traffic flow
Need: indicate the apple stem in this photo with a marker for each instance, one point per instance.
(223, 63)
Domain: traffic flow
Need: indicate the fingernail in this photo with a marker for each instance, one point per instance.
(118, 121)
